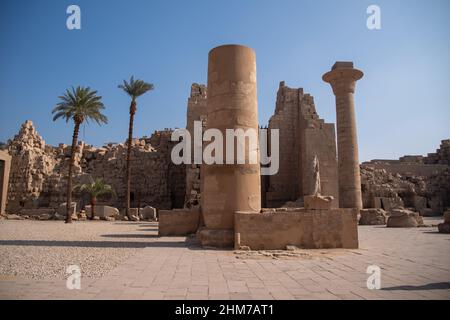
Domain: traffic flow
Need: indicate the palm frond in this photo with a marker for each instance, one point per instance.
(96, 188)
(135, 88)
(80, 103)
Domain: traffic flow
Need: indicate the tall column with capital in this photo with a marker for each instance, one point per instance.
(342, 79)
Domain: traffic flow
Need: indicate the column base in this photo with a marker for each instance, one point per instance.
(218, 238)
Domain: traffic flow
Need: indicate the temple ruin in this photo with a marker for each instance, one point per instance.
(313, 201)
(230, 211)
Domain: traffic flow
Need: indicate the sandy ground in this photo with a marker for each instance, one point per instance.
(44, 249)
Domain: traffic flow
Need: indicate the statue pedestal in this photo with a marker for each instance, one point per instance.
(318, 202)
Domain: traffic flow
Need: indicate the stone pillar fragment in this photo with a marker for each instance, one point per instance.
(342, 79)
(5, 165)
(231, 104)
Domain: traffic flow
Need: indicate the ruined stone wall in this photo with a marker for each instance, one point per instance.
(196, 111)
(429, 195)
(284, 186)
(441, 156)
(416, 165)
(38, 172)
(421, 183)
(303, 135)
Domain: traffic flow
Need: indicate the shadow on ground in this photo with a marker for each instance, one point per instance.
(128, 235)
(429, 286)
(92, 244)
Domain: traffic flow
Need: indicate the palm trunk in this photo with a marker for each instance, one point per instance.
(93, 202)
(69, 177)
(128, 172)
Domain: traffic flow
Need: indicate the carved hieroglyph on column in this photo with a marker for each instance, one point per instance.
(342, 79)
(231, 104)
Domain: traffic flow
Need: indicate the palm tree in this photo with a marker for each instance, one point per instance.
(134, 89)
(95, 189)
(80, 104)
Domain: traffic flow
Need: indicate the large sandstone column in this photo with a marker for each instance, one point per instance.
(231, 104)
(342, 78)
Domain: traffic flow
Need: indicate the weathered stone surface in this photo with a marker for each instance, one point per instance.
(38, 172)
(447, 216)
(58, 216)
(148, 213)
(37, 212)
(411, 181)
(445, 226)
(62, 209)
(5, 167)
(196, 111)
(45, 216)
(82, 216)
(372, 217)
(178, 222)
(102, 211)
(302, 135)
(342, 79)
(14, 217)
(403, 218)
(277, 228)
(232, 104)
(217, 238)
(134, 214)
(108, 218)
(318, 202)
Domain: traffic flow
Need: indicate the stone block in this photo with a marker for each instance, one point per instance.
(447, 216)
(45, 216)
(37, 212)
(315, 229)
(444, 227)
(148, 213)
(102, 211)
(403, 218)
(373, 216)
(428, 212)
(178, 222)
(318, 202)
(14, 217)
(62, 209)
(217, 238)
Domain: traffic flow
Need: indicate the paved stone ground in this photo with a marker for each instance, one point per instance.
(415, 264)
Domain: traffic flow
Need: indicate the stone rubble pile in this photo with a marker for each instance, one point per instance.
(428, 195)
(39, 172)
(372, 217)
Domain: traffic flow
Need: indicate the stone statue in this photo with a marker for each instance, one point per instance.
(316, 201)
(317, 189)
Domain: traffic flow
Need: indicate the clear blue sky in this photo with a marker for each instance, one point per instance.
(403, 102)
